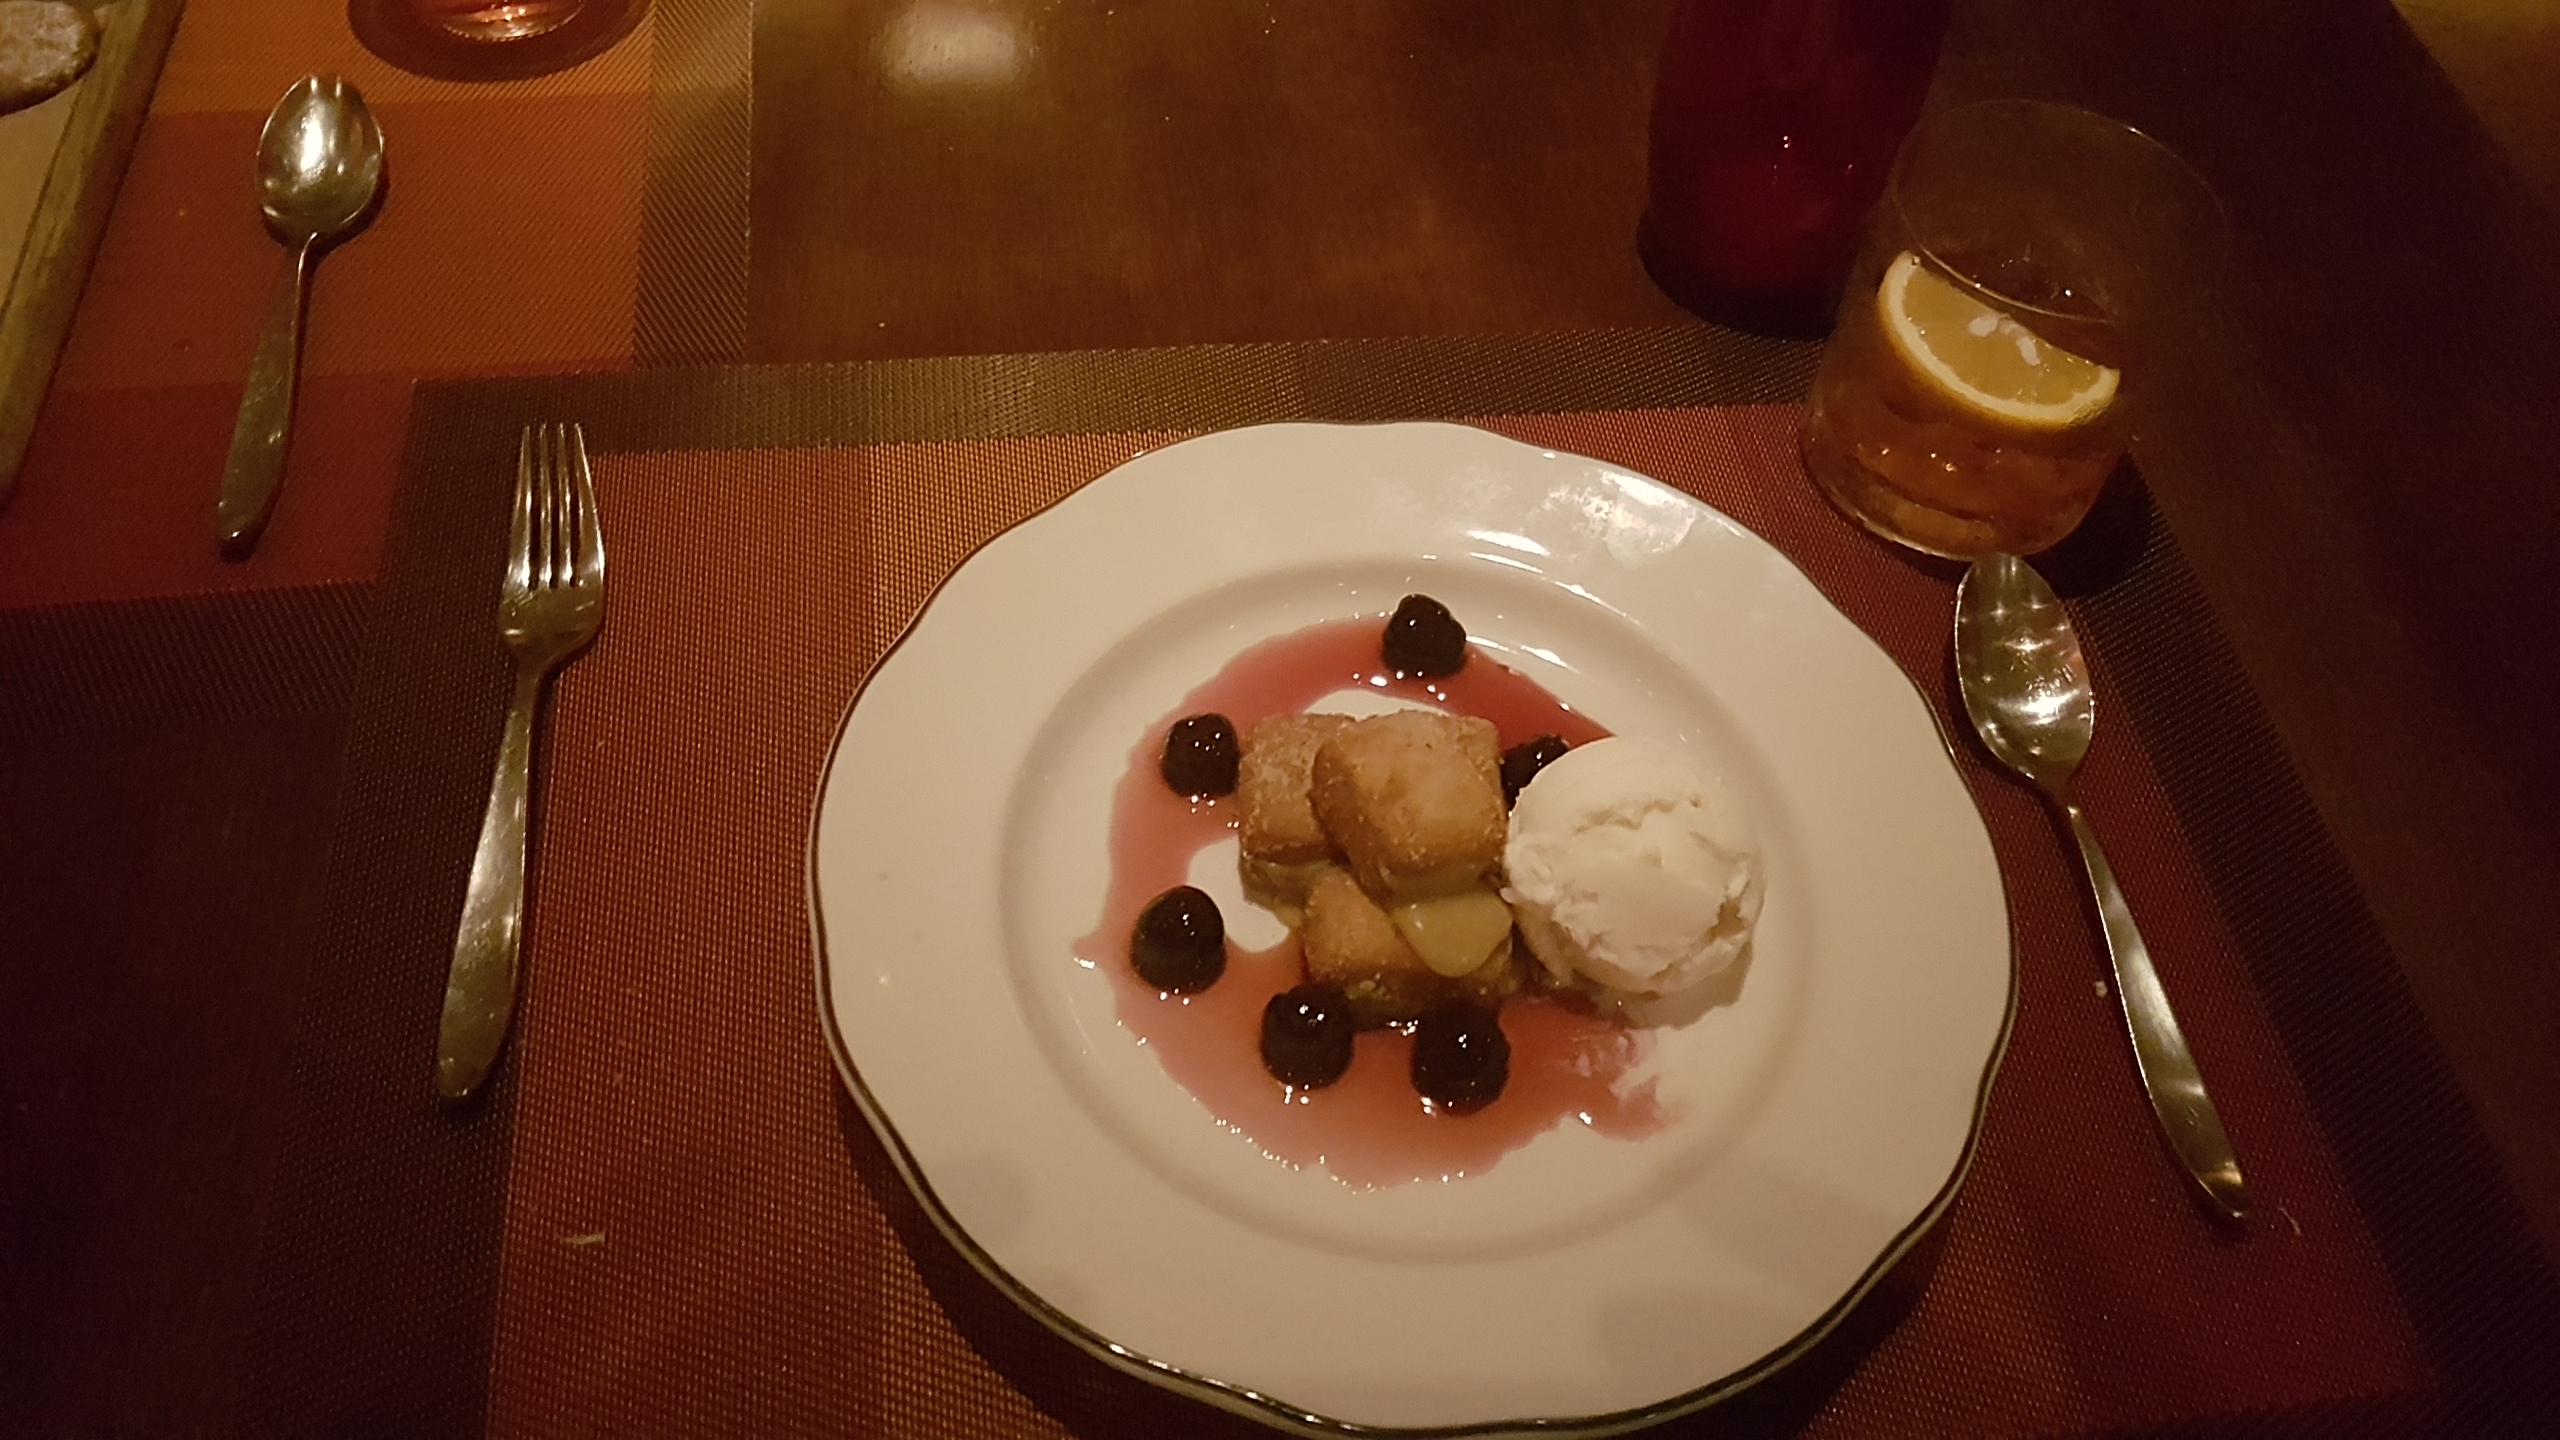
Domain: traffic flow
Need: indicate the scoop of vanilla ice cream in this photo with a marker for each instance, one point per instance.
(1631, 866)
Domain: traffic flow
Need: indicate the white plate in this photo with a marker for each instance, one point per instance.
(1817, 1124)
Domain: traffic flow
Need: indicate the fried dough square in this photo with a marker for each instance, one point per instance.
(1349, 942)
(1281, 889)
(1276, 823)
(1414, 801)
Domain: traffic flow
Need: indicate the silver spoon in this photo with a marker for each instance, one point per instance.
(319, 168)
(2027, 688)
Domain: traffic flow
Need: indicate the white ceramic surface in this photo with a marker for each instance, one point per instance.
(1816, 1123)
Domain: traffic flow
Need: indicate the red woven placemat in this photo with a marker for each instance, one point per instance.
(698, 1240)
(512, 237)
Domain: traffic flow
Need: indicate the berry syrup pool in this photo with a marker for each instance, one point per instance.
(1369, 1128)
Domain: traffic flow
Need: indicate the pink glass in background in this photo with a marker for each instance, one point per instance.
(1775, 123)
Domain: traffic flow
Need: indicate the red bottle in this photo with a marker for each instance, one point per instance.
(1774, 125)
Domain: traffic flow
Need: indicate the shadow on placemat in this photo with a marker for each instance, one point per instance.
(1091, 1398)
(2110, 541)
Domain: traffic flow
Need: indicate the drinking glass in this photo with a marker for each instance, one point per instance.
(1774, 122)
(480, 41)
(2005, 316)
(498, 20)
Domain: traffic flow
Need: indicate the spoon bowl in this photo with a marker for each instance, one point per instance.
(2026, 686)
(319, 161)
(2018, 661)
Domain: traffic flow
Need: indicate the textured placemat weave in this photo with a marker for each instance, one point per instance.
(665, 1221)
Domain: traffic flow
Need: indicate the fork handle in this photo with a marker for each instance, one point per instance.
(480, 990)
(2169, 1074)
(259, 437)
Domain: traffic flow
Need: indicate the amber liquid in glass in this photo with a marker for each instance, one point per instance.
(1902, 456)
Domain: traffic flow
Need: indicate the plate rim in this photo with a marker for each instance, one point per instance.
(1273, 1410)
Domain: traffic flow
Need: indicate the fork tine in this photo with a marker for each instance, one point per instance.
(590, 534)
(520, 528)
(565, 481)
(573, 515)
(547, 505)
(549, 475)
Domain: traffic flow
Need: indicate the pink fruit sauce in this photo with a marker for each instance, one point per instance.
(1369, 1128)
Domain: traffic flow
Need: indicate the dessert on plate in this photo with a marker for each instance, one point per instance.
(1442, 888)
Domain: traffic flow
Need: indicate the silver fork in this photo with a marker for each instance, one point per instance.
(549, 605)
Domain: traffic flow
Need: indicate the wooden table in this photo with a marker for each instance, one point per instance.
(2356, 466)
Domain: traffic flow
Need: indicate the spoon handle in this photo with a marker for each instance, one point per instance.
(256, 467)
(2169, 1074)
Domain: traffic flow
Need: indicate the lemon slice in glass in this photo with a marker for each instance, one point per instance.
(1983, 359)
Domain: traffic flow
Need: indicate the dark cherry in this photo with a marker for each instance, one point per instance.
(1522, 762)
(1181, 941)
(1461, 1058)
(1424, 639)
(1200, 756)
(1306, 1036)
